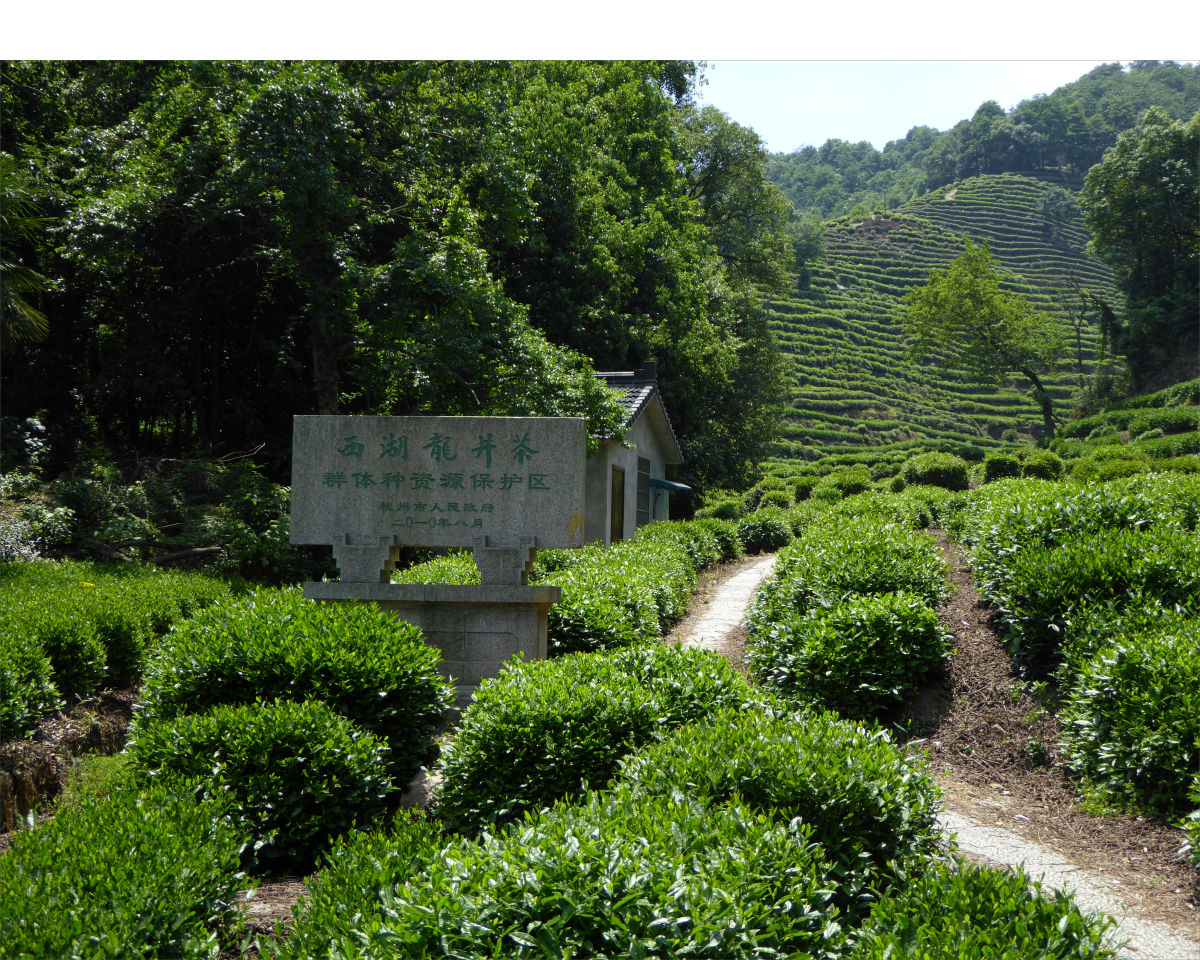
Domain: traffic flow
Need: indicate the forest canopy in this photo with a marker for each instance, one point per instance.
(225, 245)
(1056, 135)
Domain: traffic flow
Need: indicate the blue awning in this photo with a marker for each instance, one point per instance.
(669, 485)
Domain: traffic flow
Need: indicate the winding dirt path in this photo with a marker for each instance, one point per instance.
(994, 748)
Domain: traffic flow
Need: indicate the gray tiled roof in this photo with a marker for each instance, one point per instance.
(637, 388)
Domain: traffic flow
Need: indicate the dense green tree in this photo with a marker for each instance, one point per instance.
(233, 243)
(962, 318)
(19, 284)
(1142, 203)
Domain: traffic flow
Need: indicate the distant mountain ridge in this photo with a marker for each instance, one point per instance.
(855, 387)
(1056, 137)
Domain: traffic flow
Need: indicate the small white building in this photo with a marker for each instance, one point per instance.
(625, 482)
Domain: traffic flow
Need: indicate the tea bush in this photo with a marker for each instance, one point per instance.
(362, 662)
(611, 597)
(997, 466)
(1044, 464)
(292, 775)
(1042, 587)
(1131, 724)
(803, 485)
(971, 912)
(873, 808)
(27, 689)
(861, 657)
(549, 729)
(613, 877)
(725, 533)
(344, 902)
(839, 555)
(764, 531)
(133, 875)
(97, 622)
(937, 470)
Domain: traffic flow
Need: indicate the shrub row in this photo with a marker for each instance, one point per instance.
(613, 597)
(93, 623)
(748, 835)
(550, 729)
(1101, 584)
(846, 619)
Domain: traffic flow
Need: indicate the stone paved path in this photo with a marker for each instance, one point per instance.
(1145, 939)
(728, 605)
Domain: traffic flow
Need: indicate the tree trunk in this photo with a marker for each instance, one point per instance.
(1043, 397)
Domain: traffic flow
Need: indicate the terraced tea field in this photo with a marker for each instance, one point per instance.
(855, 386)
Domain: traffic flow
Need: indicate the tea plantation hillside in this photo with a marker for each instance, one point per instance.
(855, 387)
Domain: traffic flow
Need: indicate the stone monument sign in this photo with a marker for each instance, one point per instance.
(367, 485)
(502, 486)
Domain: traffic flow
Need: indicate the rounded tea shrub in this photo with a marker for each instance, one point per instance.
(128, 876)
(1044, 464)
(292, 775)
(1131, 725)
(868, 802)
(936, 470)
(616, 876)
(764, 531)
(861, 656)
(803, 485)
(971, 912)
(549, 729)
(359, 660)
(997, 466)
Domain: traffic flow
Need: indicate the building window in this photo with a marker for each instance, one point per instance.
(643, 492)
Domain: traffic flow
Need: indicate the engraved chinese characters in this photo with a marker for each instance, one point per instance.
(438, 481)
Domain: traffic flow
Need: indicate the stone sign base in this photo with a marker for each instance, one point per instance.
(477, 628)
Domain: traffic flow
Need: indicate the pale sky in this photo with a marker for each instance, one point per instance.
(793, 103)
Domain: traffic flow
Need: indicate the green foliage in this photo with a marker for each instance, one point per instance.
(97, 622)
(871, 807)
(360, 661)
(804, 487)
(1131, 726)
(132, 875)
(764, 531)
(292, 775)
(936, 469)
(837, 557)
(860, 657)
(27, 689)
(611, 597)
(1042, 463)
(95, 776)
(613, 877)
(1139, 202)
(974, 912)
(549, 729)
(729, 508)
(391, 237)
(962, 314)
(997, 466)
(725, 533)
(344, 903)
(1044, 586)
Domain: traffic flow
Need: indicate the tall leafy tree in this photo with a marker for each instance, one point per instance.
(19, 284)
(1142, 203)
(964, 318)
